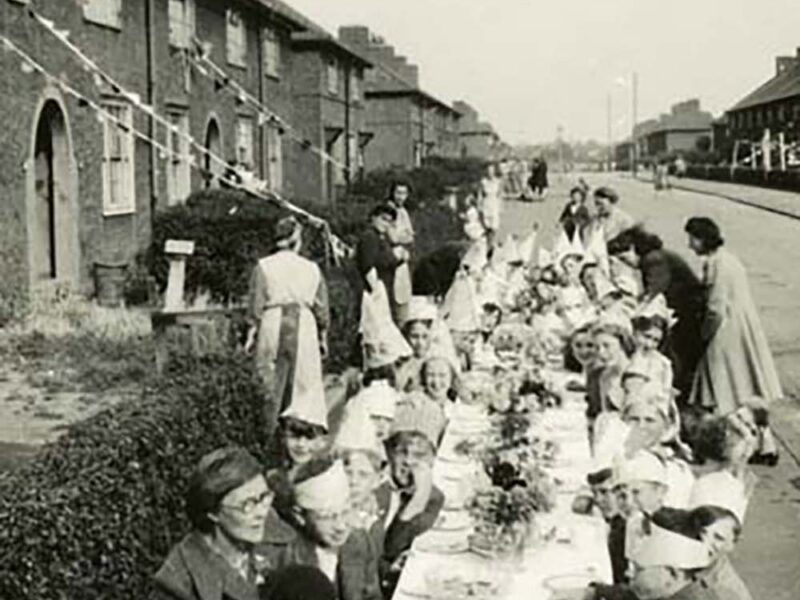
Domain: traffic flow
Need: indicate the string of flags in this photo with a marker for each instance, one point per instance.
(339, 248)
(223, 81)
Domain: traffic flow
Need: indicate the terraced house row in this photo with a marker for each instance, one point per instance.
(78, 189)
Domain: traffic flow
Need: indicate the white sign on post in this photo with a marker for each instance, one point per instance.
(177, 250)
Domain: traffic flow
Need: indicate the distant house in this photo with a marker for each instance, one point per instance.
(678, 131)
(476, 138)
(769, 113)
(408, 124)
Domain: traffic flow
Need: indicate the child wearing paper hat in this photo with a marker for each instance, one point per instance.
(326, 537)
(379, 400)
(663, 565)
(363, 455)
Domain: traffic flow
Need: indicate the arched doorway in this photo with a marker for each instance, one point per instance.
(213, 145)
(52, 218)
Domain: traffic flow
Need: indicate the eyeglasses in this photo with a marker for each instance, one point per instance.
(250, 504)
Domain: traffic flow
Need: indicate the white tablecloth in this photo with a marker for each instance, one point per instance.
(578, 550)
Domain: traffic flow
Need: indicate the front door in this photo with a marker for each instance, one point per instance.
(53, 220)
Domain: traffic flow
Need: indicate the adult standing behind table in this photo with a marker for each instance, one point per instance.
(610, 216)
(737, 364)
(402, 236)
(666, 272)
(289, 311)
(376, 251)
(491, 206)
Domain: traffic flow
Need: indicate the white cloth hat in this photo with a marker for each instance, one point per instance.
(721, 489)
(545, 258)
(309, 407)
(461, 308)
(328, 491)
(664, 548)
(420, 308)
(357, 431)
(526, 247)
(609, 443)
(379, 399)
(657, 307)
(643, 466)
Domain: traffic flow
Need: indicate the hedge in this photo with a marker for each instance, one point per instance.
(782, 180)
(94, 515)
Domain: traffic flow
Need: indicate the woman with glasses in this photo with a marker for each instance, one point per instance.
(236, 541)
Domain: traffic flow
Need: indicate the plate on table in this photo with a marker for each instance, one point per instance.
(434, 543)
(569, 581)
(452, 520)
(443, 586)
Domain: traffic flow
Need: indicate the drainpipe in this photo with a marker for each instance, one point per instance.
(151, 100)
(347, 100)
(262, 94)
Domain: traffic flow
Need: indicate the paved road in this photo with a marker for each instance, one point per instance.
(768, 556)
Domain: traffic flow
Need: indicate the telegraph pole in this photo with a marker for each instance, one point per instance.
(608, 132)
(634, 144)
(560, 142)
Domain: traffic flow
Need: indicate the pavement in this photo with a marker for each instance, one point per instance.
(777, 201)
(767, 556)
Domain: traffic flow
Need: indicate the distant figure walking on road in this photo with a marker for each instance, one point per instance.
(737, 364)
(538, 179)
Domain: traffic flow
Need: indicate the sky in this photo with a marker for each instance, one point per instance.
(530, 66)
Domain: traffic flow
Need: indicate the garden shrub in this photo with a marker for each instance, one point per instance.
(95, 513)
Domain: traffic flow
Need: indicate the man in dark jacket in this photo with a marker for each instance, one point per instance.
(666, 272)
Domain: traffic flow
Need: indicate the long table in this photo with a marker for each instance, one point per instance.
(576, 554)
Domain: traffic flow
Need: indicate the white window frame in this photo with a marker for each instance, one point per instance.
(275, 158)
(235, 38)
(182, 23)
(107, 13)
(332, 76)
(179, 168)
(245, 142)
(124, 200)
(271, 53)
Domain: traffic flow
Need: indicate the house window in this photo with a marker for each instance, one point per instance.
(333, 77)
(103, 12)
(181, 23)
(272, 53)
(244, 142)
(355, 86)
(179, 174)
(118, 160)
(236, 39)
(275, 158)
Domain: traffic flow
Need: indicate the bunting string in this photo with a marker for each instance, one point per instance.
(338, 246)
(31, 66)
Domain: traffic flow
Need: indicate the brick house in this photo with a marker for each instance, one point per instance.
(330, 110)
(769, 115)
(476, 138)
(408, 124)
(78, 190)
(678, 131)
